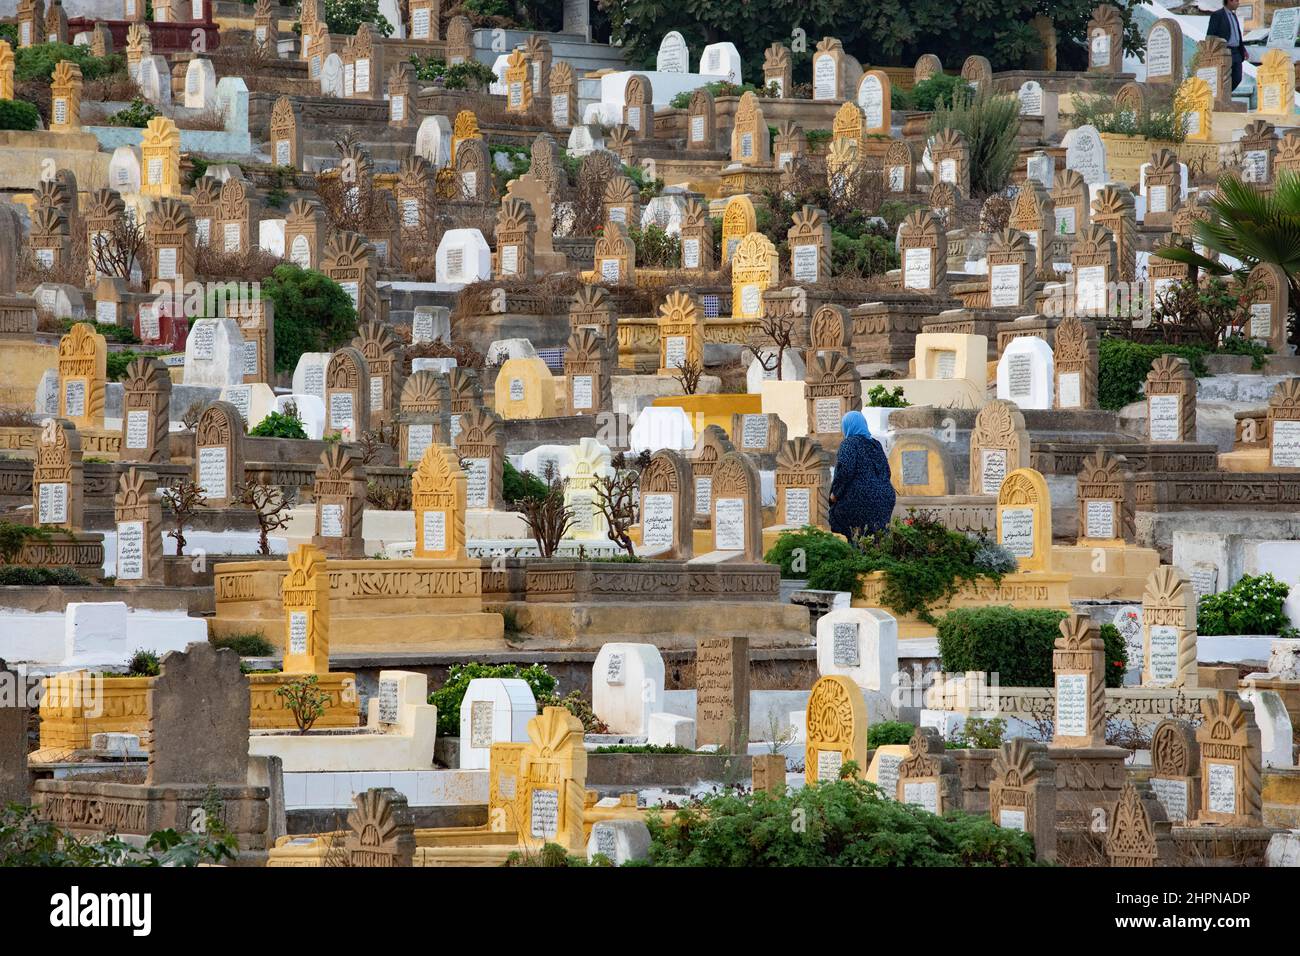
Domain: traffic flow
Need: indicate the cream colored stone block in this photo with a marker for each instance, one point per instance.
(786, 400)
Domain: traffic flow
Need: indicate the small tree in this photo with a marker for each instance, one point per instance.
(547, 516)
(305, 700)
(689, 373)
(616, 498)
(182, 500)
(775, 332)
(271, 505)
(119, 250)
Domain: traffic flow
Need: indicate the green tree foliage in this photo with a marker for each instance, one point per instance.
(1015, 644)
(889, 32)
(312, 314)
(345, 16)
(845, 823)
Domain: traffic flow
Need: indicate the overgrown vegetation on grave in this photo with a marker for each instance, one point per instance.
(28, 840)
(923, 562)
(1251, 606)
(846, 823)
(1016, 644)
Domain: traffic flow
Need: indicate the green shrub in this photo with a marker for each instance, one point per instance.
(471, 75)
(928, 95)
(848, 823)
(13, 535)
(1160, 121)
(799, 552)
(1251, 606)
(143, 664)
(136, 116)
(991, 124)
(312, 314)
(1015, 644)
(978, 733)
(889, 732)
(1122, 368)
(924, 563)
(18, 114)
(717, 88)
(447, 698)
(864, 255)
(517, 485)
(579, 707)
(246, 645)
(116, 363)
(655, 248)
(818, 137)
(38, 62)
(18, 574)
(879, 396)
(279, 425)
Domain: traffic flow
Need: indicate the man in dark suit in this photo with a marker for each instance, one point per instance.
(1224, 24)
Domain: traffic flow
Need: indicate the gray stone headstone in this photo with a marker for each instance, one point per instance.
(13, 737)
(199, 708)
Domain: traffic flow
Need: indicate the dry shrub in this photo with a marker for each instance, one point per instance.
(555, 291)
(12, 416)
(466, 356)
(115, 88)
(251, 265)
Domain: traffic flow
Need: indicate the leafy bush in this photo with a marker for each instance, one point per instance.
(655, 248)
(279, 425)
(879, 396)
(1122, 368)
(471, 75)
(643, 749)
(143, 664)
(345, 16)
(137, 115)
(38, 62)
(718, 88)
(991, 124)
(849, 823)
(246, 645)
(517, 485)
(1161, 121)
(1251, 606)
(116, 363)
(889, 732)
(18, 114)
(924, 564)
(28, 840)
(1015, 644)
(978, 733)
(798, 552)
(448, 697)
(928, 95)
(312, 313)
(18, 574)
(865, 255)
(13, 535)
(579, 707)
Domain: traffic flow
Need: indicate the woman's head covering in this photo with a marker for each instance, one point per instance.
(855, 423)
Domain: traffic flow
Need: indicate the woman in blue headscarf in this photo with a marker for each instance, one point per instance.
(862, 497)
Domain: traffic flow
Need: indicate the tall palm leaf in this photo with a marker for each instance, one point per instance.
(1251, 227)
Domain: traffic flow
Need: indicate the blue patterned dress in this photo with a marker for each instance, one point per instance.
(864, 497)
